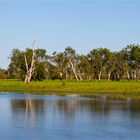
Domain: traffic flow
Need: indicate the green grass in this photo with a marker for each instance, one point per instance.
(110, 89)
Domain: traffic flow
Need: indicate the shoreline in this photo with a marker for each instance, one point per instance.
(112, 96)
(90, 89)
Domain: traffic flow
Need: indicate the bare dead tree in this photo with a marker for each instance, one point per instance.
(30, 110)
(30, 70)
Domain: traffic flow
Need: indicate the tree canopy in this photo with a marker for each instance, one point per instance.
(99, 63)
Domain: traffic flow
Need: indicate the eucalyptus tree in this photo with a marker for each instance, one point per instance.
(73, 62)
(99, 63)
(96, 57)
(60, 61)
(128, 63)
(22, 61)
(30, 67)
(85, 67)
(51, 71)
(17, 67)
(121, 70)
(35, 67)
(40, 66)
(134, 60)
(109, 61)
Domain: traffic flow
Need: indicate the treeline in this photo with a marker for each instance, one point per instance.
(99, 63)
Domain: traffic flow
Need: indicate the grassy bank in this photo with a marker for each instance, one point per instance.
(110, 89)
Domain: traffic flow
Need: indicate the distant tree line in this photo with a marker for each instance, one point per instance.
(99, 63)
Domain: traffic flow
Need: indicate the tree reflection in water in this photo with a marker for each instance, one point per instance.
(67, 108)
(30, 110)
(27, 109)
(33, 109)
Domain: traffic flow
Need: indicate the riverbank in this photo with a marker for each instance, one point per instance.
(109, 89)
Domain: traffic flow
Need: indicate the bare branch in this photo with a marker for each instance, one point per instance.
(26, 62)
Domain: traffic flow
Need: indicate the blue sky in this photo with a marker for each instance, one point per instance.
(56, 24)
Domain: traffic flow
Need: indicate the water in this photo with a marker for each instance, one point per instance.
(34, 117)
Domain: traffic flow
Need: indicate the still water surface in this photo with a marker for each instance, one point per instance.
(36, 117)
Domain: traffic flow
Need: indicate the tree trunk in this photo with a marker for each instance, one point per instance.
(73, 69)
(134, 75)
(108, 76)
(128, 75)
(61, 75)
(48, 73)
(30, 70)
(66, 75)
(80, 77)
(99, 76)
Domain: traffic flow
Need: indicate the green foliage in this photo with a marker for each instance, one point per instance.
(39, 72)
(85, 67)
(99, 63)
(17, 67)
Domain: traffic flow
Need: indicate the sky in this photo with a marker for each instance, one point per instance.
(56, 24)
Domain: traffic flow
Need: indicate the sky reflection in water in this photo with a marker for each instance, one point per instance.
(35, 117)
